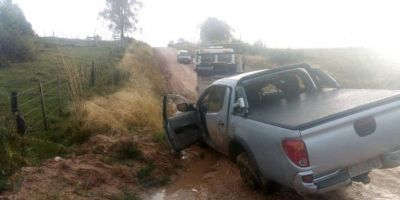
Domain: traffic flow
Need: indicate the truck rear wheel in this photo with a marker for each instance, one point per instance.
(247, 171)
(250, 175)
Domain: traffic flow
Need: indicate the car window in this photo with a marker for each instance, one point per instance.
(266, 91)
(269, 89)
(324, 80)
(216, 99)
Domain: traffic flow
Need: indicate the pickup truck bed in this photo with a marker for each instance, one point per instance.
(311, 109)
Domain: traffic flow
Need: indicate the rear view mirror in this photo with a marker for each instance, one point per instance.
(184, 107)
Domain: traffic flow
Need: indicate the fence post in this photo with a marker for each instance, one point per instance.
(113, 79)
(110, 56)
(93, 75)
(59, 94)
(14, 102)
(19, 118)
(43, 107)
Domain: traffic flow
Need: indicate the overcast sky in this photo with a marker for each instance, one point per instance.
(279, 23)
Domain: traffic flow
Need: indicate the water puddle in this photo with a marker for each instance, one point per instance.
(190, 184)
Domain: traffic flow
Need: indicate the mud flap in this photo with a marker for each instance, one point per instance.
(181, 129)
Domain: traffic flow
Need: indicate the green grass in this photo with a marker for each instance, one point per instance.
(37, 144)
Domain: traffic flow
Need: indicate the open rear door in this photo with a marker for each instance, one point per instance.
(181, 128)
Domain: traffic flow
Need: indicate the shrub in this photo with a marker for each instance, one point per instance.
(17, 39)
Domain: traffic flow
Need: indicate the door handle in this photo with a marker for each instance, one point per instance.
(221, 124)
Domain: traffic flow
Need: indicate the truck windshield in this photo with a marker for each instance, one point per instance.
(184, 54)
(207, 58)
(226, 58)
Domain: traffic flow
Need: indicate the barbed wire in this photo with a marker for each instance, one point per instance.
(28, 101)
(47, 83)
(50, 90)
(31, 111)
(27, 90)
(53, 111)
(35, 125)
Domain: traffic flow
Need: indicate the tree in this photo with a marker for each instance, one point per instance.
(122, 15)
(215, 30)
(17, 39)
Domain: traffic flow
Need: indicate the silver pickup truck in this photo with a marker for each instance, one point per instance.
(292, 126)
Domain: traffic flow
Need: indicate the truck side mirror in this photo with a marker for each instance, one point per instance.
(240, 103)
(184, 107)
(240, 107)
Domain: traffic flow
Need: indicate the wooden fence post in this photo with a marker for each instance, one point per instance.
(110, 59)
(113, 74)
(59, 95)
(93, 75)
(19, 118)
(14, 102)
(46, 127)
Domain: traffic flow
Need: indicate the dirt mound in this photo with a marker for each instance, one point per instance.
(83, 177)
(108, 167)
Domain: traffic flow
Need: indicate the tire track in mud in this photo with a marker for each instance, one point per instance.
(206, 174)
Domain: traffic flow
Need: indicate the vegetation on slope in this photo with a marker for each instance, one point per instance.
(38, 145)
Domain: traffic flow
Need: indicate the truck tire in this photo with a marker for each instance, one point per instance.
(248, 171)
(250, 175)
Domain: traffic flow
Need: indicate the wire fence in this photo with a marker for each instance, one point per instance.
(43, 105)
(37, 108)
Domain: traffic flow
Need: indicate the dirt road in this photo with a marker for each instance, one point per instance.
(209, 175)
(182, 78)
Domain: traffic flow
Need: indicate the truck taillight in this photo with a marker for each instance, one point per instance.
(296, 150)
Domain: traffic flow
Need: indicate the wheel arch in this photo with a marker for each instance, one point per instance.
(236, 147)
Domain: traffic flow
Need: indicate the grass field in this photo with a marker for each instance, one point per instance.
(112, 126)
(24, 78)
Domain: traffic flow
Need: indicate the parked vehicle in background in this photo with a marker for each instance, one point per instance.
(184, 57)
(213, 63)
(292, 126)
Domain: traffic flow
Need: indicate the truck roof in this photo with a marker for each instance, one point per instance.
(215, 50)
(233, 80)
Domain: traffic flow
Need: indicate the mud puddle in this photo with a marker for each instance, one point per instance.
(206, 174)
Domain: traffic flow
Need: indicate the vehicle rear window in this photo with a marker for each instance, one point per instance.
(269, 90)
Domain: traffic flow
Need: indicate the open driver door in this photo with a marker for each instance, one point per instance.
(180, 122)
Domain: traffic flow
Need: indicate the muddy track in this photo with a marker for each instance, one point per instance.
(208, 175)
(181, 77)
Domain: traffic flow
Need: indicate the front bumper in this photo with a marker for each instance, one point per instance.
(338, 178)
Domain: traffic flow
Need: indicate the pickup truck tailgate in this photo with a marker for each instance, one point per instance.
(354, 138)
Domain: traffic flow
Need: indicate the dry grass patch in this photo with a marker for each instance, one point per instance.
(135, 107)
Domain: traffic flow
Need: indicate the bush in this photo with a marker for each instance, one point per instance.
(17, 39)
